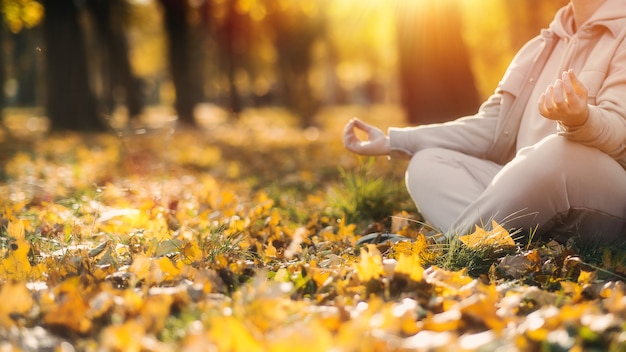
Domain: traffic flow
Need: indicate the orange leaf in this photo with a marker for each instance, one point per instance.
(16, 300)
(71, 310)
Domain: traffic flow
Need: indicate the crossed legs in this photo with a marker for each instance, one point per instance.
(556, 187)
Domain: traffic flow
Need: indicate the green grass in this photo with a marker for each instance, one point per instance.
(365, 196)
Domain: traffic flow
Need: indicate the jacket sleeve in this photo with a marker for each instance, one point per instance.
(471, 134)
(605, 128)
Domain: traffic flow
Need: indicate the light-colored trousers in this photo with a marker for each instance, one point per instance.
(555, 188)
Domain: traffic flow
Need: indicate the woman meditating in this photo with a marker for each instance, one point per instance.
(545, 154)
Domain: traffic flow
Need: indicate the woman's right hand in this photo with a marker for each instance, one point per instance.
(377, 143)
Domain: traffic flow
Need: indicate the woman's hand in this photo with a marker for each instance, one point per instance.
(376, 143)
(565, 101)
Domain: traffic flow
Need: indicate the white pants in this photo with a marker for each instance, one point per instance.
(556, 187)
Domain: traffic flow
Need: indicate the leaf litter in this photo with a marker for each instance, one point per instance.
(240, 249)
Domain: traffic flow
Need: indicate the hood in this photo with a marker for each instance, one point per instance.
(611, 15)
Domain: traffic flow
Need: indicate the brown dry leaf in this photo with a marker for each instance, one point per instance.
(16, 301)
(518, 266)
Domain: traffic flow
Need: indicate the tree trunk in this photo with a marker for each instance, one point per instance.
(436, 80)
(182, 62)
(3, 73)
(26, 66)
(113, 50)
(70, 102)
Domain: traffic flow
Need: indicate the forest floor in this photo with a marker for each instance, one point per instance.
(241, 236)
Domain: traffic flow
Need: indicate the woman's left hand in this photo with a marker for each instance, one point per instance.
(565, 101)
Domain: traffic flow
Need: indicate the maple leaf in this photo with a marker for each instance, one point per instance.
(497, 237)
(71, 309)
(411, 266)
(17, 266)
(16, 301)
(230, 334)
(370, 266)
(124, 337)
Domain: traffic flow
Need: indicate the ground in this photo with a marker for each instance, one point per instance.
(240, 235)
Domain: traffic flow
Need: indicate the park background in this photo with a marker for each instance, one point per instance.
(81, 63)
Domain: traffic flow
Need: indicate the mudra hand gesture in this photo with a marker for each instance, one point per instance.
(565, 101)
(376, 143)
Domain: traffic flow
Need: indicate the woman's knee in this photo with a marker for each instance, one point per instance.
(554, 158)
(558, 152)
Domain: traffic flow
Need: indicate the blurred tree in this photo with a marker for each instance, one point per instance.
(528, 17)
(115, 75)
(3, 66)
(233, 30)
(25, 48)
(70, 101)
(20, 35)
(436, 79)
(184, 53)
(296, 26)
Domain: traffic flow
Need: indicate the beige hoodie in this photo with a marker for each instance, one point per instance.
(597, 53)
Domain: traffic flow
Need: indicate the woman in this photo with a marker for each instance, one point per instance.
(546, 153)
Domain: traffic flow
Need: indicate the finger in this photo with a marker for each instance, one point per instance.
(362, 125)
(568, 86)
(348, 128)
(542, 106)
(549, 99)
(578, 86)
(574, 101)
(349, 137)
(558, 97)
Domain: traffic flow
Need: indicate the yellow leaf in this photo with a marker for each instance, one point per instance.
(229, 334)
(274, 219)
(16, 301)
(496, 237)
(71, 309)
(15, 229)
(586, 277)
(141, 267)
(125, 337)
(167, 268)
(419, 247)
(192, 252)
(313, 337)
(155, 310)
(445, 321)
(16, 266)
(371, 264)
(270, 251)
(411, 266)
